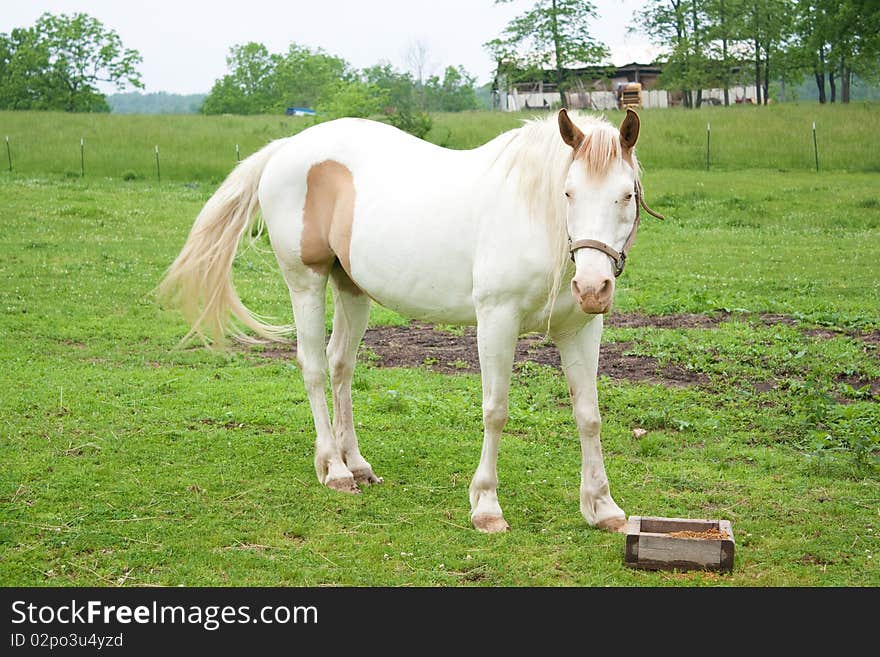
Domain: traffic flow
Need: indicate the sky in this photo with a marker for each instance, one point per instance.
(184, 43)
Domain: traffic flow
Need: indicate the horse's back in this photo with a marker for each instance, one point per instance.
(399, 213)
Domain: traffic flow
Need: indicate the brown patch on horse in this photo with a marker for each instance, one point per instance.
(328, 214)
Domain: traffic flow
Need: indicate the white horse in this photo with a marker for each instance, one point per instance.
(488, 236)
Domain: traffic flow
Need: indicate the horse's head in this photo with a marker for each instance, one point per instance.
(602, 190)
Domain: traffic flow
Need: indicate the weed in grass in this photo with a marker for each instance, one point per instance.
(651, 445)
(391, 401)
(360, 381)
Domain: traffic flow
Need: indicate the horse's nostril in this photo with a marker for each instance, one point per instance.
(575, 289)
(606, 287)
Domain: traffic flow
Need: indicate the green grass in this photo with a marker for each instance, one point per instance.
(742, 137)
(191, 147)
(759, 241)
(197, 148)
(127, 461)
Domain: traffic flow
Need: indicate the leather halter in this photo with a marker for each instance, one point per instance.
(617, 257)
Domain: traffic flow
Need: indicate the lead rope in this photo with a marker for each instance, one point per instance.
(641, 196)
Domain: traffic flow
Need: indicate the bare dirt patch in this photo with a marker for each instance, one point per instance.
(813, 560)
(771, 319)
(680, 320)
(872, 386)
(822, 334)
(230, 425)
(421, 345)
(871, 338)
(76, 344)
(707, 321)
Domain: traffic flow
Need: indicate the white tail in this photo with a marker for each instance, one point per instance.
(199, 281)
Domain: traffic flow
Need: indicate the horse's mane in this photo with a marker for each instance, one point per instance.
(536, 160)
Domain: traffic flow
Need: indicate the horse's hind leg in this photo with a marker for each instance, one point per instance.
(307, 293)
(351, 313)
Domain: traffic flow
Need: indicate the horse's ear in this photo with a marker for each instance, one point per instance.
(629, 129)
(571, 134)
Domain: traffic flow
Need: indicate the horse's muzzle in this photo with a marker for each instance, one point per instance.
(593, 299)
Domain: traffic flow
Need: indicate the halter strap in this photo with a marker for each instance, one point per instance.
(617, 257)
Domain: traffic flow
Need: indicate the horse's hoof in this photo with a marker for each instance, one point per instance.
(344, 485)
(615, 524)
(366, 476)
(490, 524)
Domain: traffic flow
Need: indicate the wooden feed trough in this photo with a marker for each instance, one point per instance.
(681, 543)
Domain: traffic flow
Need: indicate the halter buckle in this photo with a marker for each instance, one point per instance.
(619, 265)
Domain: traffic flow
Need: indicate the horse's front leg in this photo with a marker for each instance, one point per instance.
(497, 330)
(579, 352)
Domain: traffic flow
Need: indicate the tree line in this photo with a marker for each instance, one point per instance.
(260, 82)
(705, 44)
(719, 43)
(59, 62)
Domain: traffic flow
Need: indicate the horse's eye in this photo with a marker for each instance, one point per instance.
(628, 198)
(567, 195)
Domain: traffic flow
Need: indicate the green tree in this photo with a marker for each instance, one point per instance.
(454, 93)
(838, 39)
(247, 88)
(814, 34)
(554, 34)
(22, 64)
(685, 30)
(260, 82)
(700, 71)
(706, 40)
(721, 33)
(400, 88)
(308, 78)
(352, 97)
(59, 62)
(766, 29)
(402, 104)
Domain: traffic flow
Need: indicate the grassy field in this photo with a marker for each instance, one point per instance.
(128, 462)
(197, 148)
